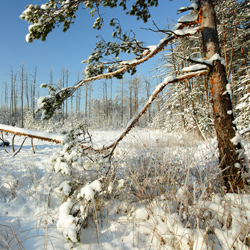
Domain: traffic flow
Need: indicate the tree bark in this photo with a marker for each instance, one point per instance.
(33, 94)
(231, 156)
(22, 83)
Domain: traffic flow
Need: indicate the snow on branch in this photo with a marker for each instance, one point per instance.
(200, 63)
(188, 18)
(208, 62)
(95, 70)
(174, 33)
(193, 6)
(194, 68)
(31, 133)
(168, 80)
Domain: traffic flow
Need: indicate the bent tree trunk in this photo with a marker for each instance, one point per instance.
(231, 155)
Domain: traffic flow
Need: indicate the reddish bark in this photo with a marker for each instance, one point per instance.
(229, 154)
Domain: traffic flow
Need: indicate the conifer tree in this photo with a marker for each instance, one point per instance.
(46, 17)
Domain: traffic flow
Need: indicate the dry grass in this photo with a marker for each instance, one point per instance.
(172, 198)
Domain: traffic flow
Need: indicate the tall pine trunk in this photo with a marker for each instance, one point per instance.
(231, 155)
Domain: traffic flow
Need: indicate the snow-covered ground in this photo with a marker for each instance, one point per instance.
(166, 195)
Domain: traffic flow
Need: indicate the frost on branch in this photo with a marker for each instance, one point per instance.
(187, 18)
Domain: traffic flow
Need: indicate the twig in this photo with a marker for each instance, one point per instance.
(13, 146)
(192, 60)
(151, 54)
(2, 139)
(14, 234)
(20, 147)
(7, 244)
(32, 146)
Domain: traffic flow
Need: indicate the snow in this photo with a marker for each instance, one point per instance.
(65, 187)
(45, 6)
(33, 133)
(175, 27)
(34, 200)
(229, 90)
(152, 47)
(237, 165)
(241, 105)
(61, 166)
(165, 81)
(245, 130)
(195, 67)
(193, 6)
(130, 122)
(187, 18)
(96, 185)
(188, 31)
(211, 60)
(121, 183)
(65, 223)
(236, 139)
(25, 12)
(88, 192)
(129, 62)
(27, 38)
(214, 58)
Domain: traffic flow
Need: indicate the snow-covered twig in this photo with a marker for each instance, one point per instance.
(195, 60)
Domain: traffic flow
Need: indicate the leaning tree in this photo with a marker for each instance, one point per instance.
(46, 17)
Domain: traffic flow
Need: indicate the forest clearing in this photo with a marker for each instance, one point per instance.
(164, 192)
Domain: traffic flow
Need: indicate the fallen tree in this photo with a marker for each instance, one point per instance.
(33, 134)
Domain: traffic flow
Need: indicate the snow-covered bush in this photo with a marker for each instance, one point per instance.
(86, 182)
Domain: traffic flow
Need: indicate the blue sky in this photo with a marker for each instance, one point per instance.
(70, 48)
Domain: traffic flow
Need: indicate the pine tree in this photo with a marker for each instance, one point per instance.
(49, 15)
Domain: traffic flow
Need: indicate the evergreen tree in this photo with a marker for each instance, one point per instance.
(46, 17)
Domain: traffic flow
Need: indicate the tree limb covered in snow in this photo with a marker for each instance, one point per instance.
(55, 138)
(50, 103)
(159, 88)
(31, 133)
